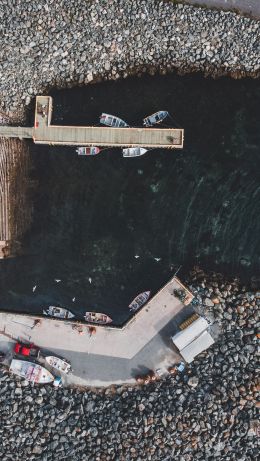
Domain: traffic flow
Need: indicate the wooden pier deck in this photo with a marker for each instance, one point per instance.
(45, 133)
(15, 207)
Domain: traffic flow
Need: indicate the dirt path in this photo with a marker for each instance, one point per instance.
(251, 7)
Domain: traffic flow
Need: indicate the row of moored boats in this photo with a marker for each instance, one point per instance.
(116, 122)
(96, 317)
(36, 373)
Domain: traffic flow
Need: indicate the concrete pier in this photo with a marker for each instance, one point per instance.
(112, 355)
(45, 133)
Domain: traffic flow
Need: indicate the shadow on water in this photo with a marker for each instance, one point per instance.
(99, 223)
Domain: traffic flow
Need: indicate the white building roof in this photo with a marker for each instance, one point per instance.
(200, 344)
(186, 336)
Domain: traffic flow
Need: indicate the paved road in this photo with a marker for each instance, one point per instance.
(101, 370)
(251, 7)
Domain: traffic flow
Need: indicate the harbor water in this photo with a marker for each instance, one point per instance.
(107, 228)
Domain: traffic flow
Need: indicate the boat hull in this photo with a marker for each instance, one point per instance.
(58, 312)
(88, 151)
(97, 317)
(58, 363)
(155, 118)
(139, 301)
(112, 121)
(30, 371)
(133, 152)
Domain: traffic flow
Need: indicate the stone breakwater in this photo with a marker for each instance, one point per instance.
(208, 412)
(65, 43)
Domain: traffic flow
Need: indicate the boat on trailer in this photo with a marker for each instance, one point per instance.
(113, 121)
(92, 150)
(155, 118)
(134, 151)
(30, 371)
(58, 312)
(97, 317)
(58, 363)
(139, 301)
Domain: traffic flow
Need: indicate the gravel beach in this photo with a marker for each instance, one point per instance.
(209, 412)
(66, 43)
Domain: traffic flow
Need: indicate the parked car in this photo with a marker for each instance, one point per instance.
(27, 350)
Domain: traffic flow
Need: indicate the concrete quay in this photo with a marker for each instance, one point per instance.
(112, 355)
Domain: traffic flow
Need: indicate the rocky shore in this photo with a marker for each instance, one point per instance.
(66, 43)
(209, 412)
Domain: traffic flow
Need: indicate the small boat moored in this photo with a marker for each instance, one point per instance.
(30, 371)
(113, 121)
(58, 363)
(155, 118)
(88, 150)
(58, 312)
(134, 151)
(97, 317)
(139, 301)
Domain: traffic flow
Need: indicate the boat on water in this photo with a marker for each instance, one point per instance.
(58, 363)
(139, 301)
(59, 312)
(134, 151)
(30, 371)
(97, 317)
(155, 118)
(113, 121)
(88, 150)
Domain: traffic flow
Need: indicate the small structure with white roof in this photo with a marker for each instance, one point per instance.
(193, 340)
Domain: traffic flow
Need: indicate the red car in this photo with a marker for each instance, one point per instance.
(28, 350)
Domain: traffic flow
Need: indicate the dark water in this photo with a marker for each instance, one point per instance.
(92, 216)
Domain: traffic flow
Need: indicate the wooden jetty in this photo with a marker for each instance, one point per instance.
(15, 208)
(45, 133)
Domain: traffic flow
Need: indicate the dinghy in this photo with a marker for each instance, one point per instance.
(113, 121)
(155, 118)
(97, 317)
(139, 301)
(59, 312)
(134, 151)
(88, 150)
(58, 363)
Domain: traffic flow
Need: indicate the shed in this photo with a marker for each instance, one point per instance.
(186, 336)
(200, 344)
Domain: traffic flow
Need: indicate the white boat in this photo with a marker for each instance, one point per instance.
(58, 363)
(139, 301)
(88, 150)
(97, 317)
(134, 151)
(155, 118)
(113, 121)
(30, 371)
(59, 312)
